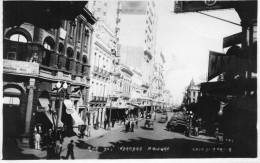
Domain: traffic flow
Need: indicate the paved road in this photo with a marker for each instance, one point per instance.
(142, 143)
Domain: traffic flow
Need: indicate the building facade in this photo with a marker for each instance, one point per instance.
(102, 67)
(46, 75)
(136, 33)
(103, 59)
(192, 93)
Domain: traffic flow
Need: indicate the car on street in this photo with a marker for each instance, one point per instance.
(163, 119)
(158, 111)
(178, 122)
(149, 124)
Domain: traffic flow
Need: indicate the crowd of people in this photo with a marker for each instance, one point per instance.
(52, 142)
(130, 124)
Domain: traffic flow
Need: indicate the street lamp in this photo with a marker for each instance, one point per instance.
(60, 87)
(190, 116)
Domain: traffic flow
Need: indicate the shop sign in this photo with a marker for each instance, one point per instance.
(20, 67)
(194, 6)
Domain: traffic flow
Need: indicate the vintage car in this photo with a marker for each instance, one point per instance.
(163, 119)
(178, 122)
(149, 124)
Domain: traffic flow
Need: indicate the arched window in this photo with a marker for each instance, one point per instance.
(48, 43)
(61, 48)
(18, 38)
(86, 38)
(84, 60)
(70, 52)
(78, 56)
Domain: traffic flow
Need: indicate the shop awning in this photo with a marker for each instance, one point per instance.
(76, 118)
(44, 102)
(70, 109)
(68, 104)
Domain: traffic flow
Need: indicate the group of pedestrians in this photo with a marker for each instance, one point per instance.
(130, 124)
(52, 141)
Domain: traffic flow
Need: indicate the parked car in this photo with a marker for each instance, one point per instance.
(158, 111)
(163, 119)
(149, 123)
(178, 122)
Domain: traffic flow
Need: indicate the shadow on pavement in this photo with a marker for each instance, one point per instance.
(144, 128)
(142, 148)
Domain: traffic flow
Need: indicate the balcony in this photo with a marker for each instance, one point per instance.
(32, 52)
(101, 72)
(78, 68)
(85, 70)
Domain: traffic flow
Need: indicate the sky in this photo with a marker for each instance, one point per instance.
(186, 39)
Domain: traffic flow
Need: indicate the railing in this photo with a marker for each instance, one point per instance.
(101, 72)
(32, 52)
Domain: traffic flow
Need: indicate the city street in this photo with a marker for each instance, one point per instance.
(142, 143)
(129, 79)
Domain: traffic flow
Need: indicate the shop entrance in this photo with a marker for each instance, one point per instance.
(12, 120)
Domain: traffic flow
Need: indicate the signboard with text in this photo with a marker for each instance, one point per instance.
(20, 67)
(193, 6)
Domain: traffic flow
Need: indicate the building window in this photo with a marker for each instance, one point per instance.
(84, 60)
(11, 100)
(72, 28)
(86, 38)
(78, 56)
(79, 31)
(70, 52)
(48, 43)
(18, 38)
(61, 48)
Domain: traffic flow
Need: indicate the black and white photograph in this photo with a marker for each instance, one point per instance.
(129, 79)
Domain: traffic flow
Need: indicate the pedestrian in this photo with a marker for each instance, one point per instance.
(105, 124)
(58, 149)
(113, 122)
(132, 126)
(88, 130)
(49, 137)
(51, 150)
(136, 123)
(70, 150)
(124, 120)
(83, 128)
(37, 138)
(126, 125)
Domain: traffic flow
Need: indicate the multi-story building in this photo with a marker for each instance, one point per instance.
(102, 60)
(193, 92)
(46, 75)
(136, 33)
(102, 66)
(157, 82)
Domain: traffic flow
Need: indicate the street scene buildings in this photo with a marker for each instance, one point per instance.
(90, 79)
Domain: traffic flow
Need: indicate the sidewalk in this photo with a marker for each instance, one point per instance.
(41, 154)
(99, 132)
